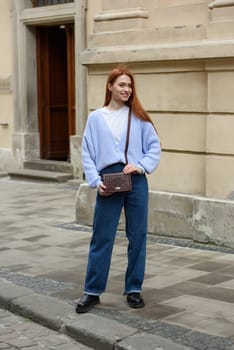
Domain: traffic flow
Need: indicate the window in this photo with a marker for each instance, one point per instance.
(37, 3)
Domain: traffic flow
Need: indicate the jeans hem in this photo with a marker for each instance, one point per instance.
(93, 293)
(132, 291)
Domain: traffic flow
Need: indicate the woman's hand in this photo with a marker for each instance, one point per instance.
(132, 169)
(102, 190)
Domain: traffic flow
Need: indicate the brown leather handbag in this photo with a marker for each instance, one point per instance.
(120, 182)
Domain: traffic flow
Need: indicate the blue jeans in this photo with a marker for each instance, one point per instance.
(106, 218)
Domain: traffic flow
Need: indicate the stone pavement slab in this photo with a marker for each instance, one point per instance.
(188, 290)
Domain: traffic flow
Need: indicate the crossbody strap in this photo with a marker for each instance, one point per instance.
(127, 137)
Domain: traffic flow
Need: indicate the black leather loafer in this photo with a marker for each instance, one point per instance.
(135, 300)
(86, 303)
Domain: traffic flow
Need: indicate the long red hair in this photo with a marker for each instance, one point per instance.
(133, 101)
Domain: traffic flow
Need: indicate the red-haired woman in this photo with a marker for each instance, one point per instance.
(103, 150)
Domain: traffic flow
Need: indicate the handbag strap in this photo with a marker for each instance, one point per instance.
(127, 137)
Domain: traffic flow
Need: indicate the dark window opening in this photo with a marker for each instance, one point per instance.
(38, 3)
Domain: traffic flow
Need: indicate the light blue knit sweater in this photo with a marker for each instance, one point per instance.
(99, 148)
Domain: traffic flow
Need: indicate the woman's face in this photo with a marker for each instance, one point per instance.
(121, 89)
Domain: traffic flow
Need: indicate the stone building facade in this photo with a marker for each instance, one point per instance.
(182, 54)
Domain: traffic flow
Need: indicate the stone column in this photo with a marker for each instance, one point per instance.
(26, 136)
(81, 88)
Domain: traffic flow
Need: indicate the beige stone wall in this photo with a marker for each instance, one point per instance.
(6, 97)
(178, 111)
(219, 134)
(185, 78)
(182, 54)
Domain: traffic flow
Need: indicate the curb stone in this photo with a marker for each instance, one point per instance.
(48, 311)
(89, 329)
(147, 341)
(99, 332)
(9, 292)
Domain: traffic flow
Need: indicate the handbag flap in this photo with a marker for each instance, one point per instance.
(117, 182)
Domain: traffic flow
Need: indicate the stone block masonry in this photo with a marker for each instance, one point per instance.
(177, 215)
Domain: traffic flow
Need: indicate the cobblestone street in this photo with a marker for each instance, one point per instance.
(22, 334)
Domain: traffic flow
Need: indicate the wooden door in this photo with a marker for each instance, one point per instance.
(55, 62)
(71, 78)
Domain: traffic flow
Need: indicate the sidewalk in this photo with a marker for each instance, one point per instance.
(189, 292)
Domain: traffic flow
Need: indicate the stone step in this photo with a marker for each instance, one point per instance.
(39, 175)
(3, 174)
(49, 165)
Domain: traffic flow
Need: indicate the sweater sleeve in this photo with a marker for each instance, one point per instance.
(151, 149)
(89, 158)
